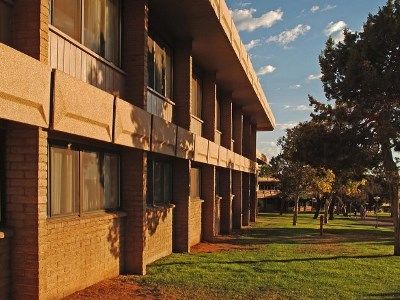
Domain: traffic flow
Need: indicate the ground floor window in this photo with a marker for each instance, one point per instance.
(159, 181)
(195, 183)
(82, 180)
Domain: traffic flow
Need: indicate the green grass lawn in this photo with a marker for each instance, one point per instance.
(277, 260)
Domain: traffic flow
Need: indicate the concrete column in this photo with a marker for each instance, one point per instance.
(246, 138)
(181, 198)
(209, 209)
(182, 83)
(238, 130)
(253, 177)
(226, 122)
(134, 51)
(31, 28)
(237, 200)
(226, 202)
(246, 199)
(134, 196)
(209, 106)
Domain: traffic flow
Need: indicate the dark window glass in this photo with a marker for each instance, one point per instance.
(82, 179)
(159, 64)
(197, 96)
(5, 21)
(159, 182)
(100, 28)
(67, 17)
(64, 184)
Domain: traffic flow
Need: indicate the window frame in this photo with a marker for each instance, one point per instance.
(168, 49)
(82, 35)
(197, 79)
(80, 148)
(200, 181)
(152, 159)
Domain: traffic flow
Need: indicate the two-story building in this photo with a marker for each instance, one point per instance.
(127, 132)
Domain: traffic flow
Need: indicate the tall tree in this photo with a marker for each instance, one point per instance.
(362, 76)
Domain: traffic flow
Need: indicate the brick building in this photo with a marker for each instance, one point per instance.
(127, 132)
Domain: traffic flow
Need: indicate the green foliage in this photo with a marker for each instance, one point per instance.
(275, 260)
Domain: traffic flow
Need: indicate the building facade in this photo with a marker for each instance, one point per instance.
(127, 132)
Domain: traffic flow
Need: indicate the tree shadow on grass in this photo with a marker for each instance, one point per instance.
(385, 296)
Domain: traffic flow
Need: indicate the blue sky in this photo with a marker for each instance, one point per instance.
(284, 39)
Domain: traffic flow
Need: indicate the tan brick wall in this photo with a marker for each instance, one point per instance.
(79, 252)
(158, 241)
(4, 267)
(195, 221)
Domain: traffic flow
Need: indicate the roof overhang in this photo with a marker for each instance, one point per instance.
(217, 47)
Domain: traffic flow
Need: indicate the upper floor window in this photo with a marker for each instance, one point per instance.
(2, 174)
(159, 67)
(159, 181)
(218, 114)
(197, 96)
(5, 21)
(94, 23)
(82, 181)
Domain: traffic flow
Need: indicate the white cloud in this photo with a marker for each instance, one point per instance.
(335, 30)
(252, 44)
(245, 21)
(295, 86)
(328, 7)
(288, 36)
(298, 107)
(314, 9)
(314, 76)
(284, 126)
(270, 149)
(268, 69)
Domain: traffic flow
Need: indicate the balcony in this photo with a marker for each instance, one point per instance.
(196, 125)
(71, 57)
(159, 105)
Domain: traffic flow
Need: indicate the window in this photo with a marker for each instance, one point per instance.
(159, 67)
(2, 175)
(195, 183)
(197, 96)
(218, 115)
(159, 182)
(5, 21)
(94, 23)
(82, 181)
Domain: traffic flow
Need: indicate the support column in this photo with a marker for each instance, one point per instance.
(246, 199)
(226, 202)
(209, 106)
(237, 200)
(183, 83)
(237, 176)
(134, 195)
(31, 28)
(209, 209)
(181, 198)
(253, 177)
(134, 51)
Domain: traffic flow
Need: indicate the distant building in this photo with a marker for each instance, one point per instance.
(127, 131)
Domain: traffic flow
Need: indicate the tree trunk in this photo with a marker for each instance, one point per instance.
(332, 210)
(317, 208)
(392, 176)
(282, 206)
(295, 211)
(326, 209)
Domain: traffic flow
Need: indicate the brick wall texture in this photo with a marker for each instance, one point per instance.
(5, 267)
(195, 221)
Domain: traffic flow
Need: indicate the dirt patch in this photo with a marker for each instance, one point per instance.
(220, 244)
(119, 288)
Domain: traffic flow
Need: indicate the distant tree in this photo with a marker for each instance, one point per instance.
(362, 76)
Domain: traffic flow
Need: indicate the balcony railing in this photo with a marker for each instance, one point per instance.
(196, 125)
(218, 135)
(71, 57)
(159, 105)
